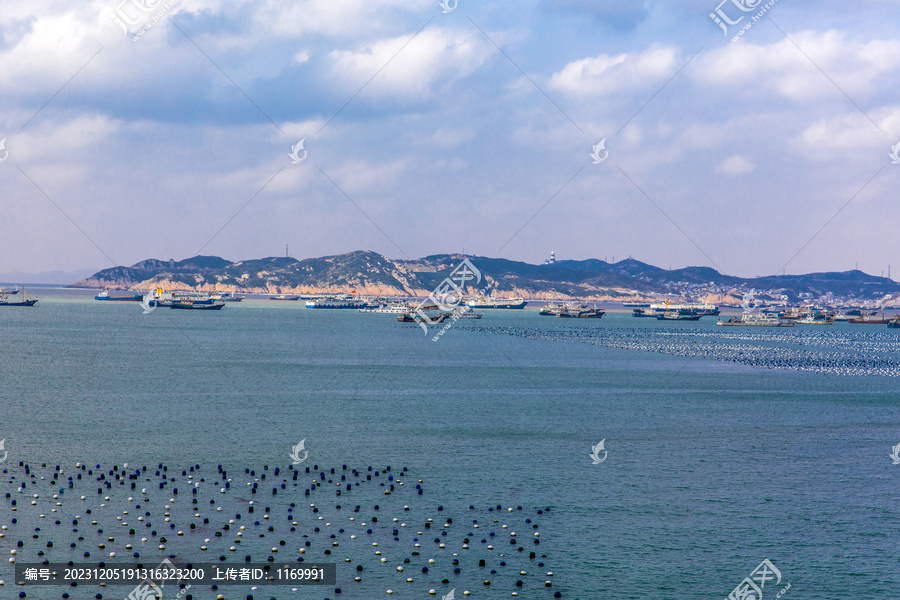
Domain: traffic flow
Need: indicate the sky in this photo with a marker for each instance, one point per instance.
(593, 128)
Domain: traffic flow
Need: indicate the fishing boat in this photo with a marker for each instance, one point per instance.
(553, 310)
(702, 309)
(894, 323)
(198, 304)
(160, 297)
(755, 320)
(17, 298)
(341, 302)
(549, 311)
(678, 315)
(482, 302)
(871, 320)
(104, 295)
(393, 308)
(414, 318)
(228, 297)
(816, 319)
(581, 312)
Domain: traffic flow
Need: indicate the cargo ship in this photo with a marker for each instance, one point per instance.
(871, 320)
(104, 295)
(17, 298)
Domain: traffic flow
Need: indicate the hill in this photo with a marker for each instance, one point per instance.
(370, 273)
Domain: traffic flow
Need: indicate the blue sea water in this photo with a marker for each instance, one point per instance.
(713, 465)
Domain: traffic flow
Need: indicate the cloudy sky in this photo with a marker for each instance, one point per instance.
(427, 131)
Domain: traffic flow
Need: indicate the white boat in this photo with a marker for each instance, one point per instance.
(693, 308)
(819, 319)
(470, 314)
(340, 302)
(756, 320)
(393, 308)
(492, 302)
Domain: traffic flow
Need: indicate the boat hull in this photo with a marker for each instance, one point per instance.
(25, 303)
(497, 305)
(134, 298)
(196, 306)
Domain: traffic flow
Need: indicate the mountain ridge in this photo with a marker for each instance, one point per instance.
(369, 273)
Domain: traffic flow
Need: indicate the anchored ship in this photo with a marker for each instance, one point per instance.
(692, 308)
(104, 295)
(678, 315)
(393, 308)
(482, 302)
(17, 298)
(340, 302)
(572, 310)
(756, 320)
(209, 304)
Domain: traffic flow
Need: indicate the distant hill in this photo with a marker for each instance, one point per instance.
(370, 273)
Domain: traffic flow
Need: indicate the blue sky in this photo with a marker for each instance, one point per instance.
(431, 132)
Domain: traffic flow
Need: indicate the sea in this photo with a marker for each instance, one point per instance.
(722, 448)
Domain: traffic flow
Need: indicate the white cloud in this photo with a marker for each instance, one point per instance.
(606, 74)
(434, 56)
(736, 165)
(857, 68)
